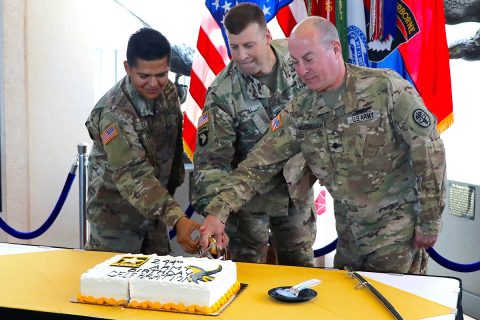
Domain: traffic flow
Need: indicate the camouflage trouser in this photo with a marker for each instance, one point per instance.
(154, 240)
(292, 237)
(396, 258)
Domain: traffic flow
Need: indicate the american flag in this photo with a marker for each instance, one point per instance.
(276, 123)
(109, 134)
(212, 53)
(203, 120)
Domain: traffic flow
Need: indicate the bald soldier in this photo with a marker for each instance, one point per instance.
(242, 100)
(136, 161)
(367, 136)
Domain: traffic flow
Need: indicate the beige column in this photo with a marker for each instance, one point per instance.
(14, 120)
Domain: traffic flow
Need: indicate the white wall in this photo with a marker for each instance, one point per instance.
(15, 189)
(462, 149)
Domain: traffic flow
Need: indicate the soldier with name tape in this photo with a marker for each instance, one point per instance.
(242, 100)
(367, 136)
(136, 162)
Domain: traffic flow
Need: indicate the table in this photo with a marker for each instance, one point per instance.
(46, 281)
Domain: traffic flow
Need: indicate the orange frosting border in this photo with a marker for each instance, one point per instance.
(164, 306)
(191, 308)
(102, 300)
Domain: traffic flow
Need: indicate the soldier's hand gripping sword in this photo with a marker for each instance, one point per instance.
(364, 283)
(213, 251)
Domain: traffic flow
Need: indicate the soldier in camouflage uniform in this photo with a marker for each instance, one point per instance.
(242, 100)
(368, 137)
(136, 160)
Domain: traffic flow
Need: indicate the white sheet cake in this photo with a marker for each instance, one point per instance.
(160, 282)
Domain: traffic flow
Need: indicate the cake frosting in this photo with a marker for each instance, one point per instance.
(160, 282)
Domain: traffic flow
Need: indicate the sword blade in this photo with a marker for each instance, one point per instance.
(372, 289)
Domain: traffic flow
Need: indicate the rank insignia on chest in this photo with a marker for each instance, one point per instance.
(276, 123)
(364, 116)
(109, 134)
(335, 142)
(203, 120)
(336, 146)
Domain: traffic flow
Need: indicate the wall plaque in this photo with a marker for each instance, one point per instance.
(461, 200)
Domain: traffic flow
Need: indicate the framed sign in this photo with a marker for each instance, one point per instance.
(461, 200)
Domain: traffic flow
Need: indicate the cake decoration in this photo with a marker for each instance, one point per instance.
(200, 274)
(130, 261)
(180, 284)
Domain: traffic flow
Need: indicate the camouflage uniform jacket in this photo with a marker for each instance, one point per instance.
(237, 113)
(377, 151)
(136, 162)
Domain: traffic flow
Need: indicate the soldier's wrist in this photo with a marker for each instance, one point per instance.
(174, 215)
(429, 227)
(178, 220)
(219, 215)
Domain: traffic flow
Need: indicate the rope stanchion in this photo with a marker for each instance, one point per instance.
(82, 193)
(53, 215)
(470, 267)
(454, 266)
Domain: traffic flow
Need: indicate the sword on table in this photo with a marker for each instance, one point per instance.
(364, 283)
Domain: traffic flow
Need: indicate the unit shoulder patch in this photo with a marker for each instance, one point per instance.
(203, 138)
(421, 118)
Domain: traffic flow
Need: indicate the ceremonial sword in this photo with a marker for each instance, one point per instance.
(378, 295)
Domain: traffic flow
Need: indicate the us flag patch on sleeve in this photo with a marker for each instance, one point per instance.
(203, 120)
(276, 123)
(109, 134)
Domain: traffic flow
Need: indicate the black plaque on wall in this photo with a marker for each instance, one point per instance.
(461, 200)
